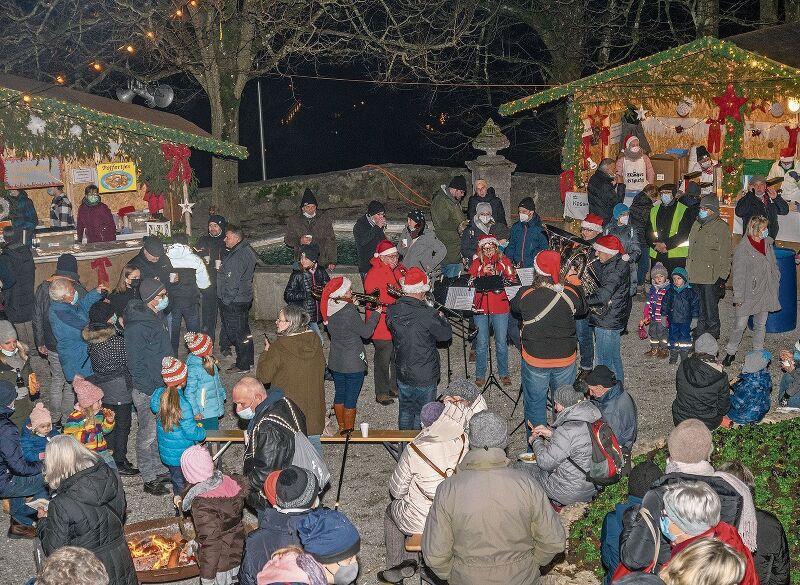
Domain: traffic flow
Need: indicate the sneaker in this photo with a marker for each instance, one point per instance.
(156, 488)
(384, 399)
(398, 573)
(19, 531)
(125, 469)
(506, 380)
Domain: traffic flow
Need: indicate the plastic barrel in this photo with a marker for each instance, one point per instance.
(785, 319)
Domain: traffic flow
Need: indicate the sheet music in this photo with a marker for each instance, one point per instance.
(460, 298)
(525, 276)
(511, 291)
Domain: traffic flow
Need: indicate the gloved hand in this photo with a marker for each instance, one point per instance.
(721, 287)
(794, 175)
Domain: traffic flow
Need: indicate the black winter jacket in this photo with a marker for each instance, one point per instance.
(750, 205)
(159, 269)
(12, 461)
(211, 249)
(640, 215)
(602, 195)
(612, 300)
(146, 344)
(498, 211)
(270, 445)
(636, 543)
(680, 306)
(416, 329)
(89, 511)
(184, 293)
(109, 363)
(771, 558)
(367, 237)
(702, 392)
(472, 234)
(298, 290)
(19, 299)
(42, 331)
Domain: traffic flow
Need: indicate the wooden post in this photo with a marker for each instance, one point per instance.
(187, 216)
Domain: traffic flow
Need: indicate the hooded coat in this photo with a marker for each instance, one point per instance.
(12, 461)
(751, 205)
(109, 361)
(18, 299)
(526, 240)
(192, 275)
(603, 195)
(319, 227)
(146, 344)
(88, 510)
(235, 276)
(563, 481)
(680, 306)
(702, 392)
(299, 288)
(618, 409)
(498, 211)
(203, 391)
(426, 252)
(276, 530)
(447, 215)
(172, 443)
(348, 332)
(750, 399)
(96, 221)
(42, 331)
(756, 278)
(612, 299)
(68, 321)
(296, 365)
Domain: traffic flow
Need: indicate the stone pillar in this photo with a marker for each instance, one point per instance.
(493, 168)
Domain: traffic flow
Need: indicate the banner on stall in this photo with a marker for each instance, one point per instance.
(33, 173)
(84, 175)
(116, 177)
(576, 205)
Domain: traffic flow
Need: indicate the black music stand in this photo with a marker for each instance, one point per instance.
(486, 284)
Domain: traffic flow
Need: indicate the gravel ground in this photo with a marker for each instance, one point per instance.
(365, 493)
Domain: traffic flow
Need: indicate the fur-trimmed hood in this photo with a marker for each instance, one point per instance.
(92, 335)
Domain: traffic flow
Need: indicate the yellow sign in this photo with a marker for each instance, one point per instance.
(116, 177)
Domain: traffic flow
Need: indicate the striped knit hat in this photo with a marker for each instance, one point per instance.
(198, 343)
(173, 371)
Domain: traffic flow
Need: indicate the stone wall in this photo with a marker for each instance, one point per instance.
(348, 191)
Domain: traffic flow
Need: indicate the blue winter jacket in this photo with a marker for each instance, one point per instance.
(681, 306)
(205, 393)
(67, 322)
(172, 444)
(12, 461)
(619, 411)
(276, 530)
(526, 240)
(750, 399)
(610, 534)
(32, 444)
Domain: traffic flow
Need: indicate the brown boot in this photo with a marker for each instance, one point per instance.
(349, 420)
(479, 382)
(652, 352)
(339, 410)
(662, 353)
(18, 530)
(472, 356)
(506, 380)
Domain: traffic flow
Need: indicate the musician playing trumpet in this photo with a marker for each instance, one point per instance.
(491, 306)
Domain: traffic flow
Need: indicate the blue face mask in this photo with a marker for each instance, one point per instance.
(796, 356)
(75, 298)
(665, 529)
(666, 199)
(246, 413)
(764, 233)
(702, 214)
(162, 304)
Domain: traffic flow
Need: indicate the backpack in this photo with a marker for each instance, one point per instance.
(607, 457)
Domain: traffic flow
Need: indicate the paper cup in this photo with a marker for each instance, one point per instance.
(364, 429)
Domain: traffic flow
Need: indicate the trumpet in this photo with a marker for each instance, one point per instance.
(370, 300)
(455, 319)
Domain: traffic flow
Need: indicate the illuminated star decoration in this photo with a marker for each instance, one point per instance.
(641, 113)
(596, 118)
(729, 104)
(186, 208)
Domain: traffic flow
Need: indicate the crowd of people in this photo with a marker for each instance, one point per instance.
(113, 357)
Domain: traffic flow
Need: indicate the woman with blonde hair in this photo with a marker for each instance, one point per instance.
(87, 508)
(756, 280)
(707, 561)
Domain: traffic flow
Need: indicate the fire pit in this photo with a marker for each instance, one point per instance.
(160, 554)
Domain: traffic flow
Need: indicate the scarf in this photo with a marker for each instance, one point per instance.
(760, 246)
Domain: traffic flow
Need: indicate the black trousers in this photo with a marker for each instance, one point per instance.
(236, 324)
(118, 438)
(384, 373)
(208, 313)
(708, 322)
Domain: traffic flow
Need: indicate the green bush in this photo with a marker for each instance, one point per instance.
(771, 451)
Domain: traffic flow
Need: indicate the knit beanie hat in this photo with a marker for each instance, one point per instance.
(418, 217)
(196, 464)
(528, 203)
(679, 271)
(462, 388)
(219, 220)
(710, 201)
(328, 536)
(755, 361)
(458, 182)
(7, 331)
(566, 396)
(271, 485)
(375, 207)
(67, 266)
(310, 251)
(620, 209)
(659, 268)
(8, 393)
(488, 430)
(430, 412)
(706, 344)
(198, 343)
(601, 376)
(296, 488)
(308, 198)
(149, 288)
(642, 477)
(690, 442)
(99, 314)
(153, 246)
(86, 392)
(40, 415)
(173, 371)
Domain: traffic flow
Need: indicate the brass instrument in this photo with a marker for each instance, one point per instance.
(576, 256)
(455, 319)
(370, 300)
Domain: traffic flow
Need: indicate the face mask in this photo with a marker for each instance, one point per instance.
(785, 165)
(113, 319)
(9, 353)
(93, 199)
(665, 529)
(135, 283)
(635, 149)
(309, 215)
(623, 220)
(523, 217)
(345, 574)
(666, 199)
(702, 214)
(74, 298)
(246, 413)
(705, 165)
(162, 304)
(764, 233)
(486, 219)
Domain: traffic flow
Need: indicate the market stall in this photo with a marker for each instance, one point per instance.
(55, 139)
(708, 95)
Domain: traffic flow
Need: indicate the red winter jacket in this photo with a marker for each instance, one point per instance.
(379, 277)
(97, 221)
(492, 303)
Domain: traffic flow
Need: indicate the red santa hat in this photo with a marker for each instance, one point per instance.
(548, 263)
(385, 248)
(592, 222)
(629, 138)
(487, 239)
(415, 281)
(609, 244)
(787, 154)
(336, 287)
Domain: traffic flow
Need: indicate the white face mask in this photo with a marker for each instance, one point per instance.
(345, 574)
(309, 215)
(75, 298)
(10, 353)
(624, 219)
(666, 199)
(635, 149)
(485, 219)
(705, 165)
(523, 217)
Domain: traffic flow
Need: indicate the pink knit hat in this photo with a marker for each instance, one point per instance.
(86, 392)
(173, 371)
(40, 415)
(196, 464)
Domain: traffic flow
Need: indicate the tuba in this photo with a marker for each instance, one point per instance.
(576, 255)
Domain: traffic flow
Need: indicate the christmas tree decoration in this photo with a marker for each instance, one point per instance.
(729, 104)
(186, 208)
(754, 132)
(113, 148)
(685, 106)
(641, 113)
(679, 129)
(36, 125)
(75, 131)
(776, 109)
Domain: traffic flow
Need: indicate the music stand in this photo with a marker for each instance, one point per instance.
(487, 284)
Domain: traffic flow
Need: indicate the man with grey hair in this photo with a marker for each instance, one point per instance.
(762, 200)
(496, 516)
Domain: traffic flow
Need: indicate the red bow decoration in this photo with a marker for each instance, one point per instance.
(179, 155)
(729, 104)
(792, 146)
(586, 150)
(605, 132)
(100, 265)
(714, 135)
(155, 202)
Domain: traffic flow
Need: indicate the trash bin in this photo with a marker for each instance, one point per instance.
(785, 319)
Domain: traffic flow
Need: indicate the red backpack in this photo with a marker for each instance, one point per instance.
(607, 456)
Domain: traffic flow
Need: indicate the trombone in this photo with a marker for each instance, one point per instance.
(455, 319)
(370, 300)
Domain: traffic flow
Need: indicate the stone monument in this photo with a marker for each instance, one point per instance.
(493, 168)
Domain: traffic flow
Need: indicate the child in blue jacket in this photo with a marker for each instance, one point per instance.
(176, 428)
(204, 389)
(681, 304)
(36, 432)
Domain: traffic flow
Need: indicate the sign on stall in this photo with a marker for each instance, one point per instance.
(116, 177)
(32, 173)
(84, 175)
(576, 205)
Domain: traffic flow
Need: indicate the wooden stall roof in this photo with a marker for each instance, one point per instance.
(151, 122)
(780, 43)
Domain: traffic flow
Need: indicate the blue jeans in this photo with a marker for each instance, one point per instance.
(347, 387)
(177, 479)
(585, 335)
(451, 270)
(608, 350)
(189, 314)
(786, 382)
(536, 382)
(412, 399)
(315, 328)
(500, 326)
(20, 487)
(316, 443)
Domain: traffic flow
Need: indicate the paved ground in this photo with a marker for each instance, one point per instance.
(365, 492)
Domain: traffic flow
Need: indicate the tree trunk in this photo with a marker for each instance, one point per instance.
(707, 18)
(225, 102)
(768, 11)
(792, 9)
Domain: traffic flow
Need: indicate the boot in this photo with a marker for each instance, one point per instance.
(684, 354)
(349, 420)
(652, 352)
(17, 530)
(673, 357)
(339, 411)
(662, 353)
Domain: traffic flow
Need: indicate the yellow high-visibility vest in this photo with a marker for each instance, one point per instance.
(681, 250)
